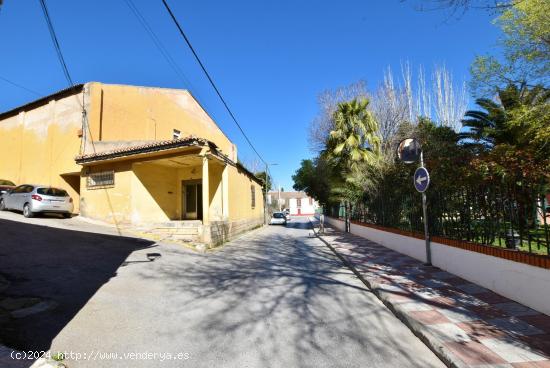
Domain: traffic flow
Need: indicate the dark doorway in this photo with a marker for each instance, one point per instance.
(191, 199)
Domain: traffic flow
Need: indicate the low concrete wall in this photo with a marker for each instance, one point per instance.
(412, 247)
(338, 224)
(523, 283)
(219, 232)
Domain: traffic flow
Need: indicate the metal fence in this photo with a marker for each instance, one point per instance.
(501, 216)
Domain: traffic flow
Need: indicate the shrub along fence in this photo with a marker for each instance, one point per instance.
(512, 217)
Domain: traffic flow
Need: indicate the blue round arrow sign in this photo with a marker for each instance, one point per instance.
(421, 179)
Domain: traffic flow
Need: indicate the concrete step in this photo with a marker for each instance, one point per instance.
(177, 231)
(185, 238)
(177, 224)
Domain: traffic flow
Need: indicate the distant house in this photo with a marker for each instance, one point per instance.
(297, 202)
(133, 155)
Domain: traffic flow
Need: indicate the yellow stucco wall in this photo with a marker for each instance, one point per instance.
(240, 196)
(124, 113)
(154, 193)
(38, 146)
(110, 204)
(216, 211)
(146, 192)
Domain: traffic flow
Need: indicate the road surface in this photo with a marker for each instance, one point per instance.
(272, 298)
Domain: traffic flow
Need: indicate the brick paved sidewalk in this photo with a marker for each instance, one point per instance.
(465, 324)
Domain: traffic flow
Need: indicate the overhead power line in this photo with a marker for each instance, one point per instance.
(56, 43)
(20, 86)
(157, 42)
(210, 78)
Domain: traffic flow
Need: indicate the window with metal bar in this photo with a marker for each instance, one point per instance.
(100, 179)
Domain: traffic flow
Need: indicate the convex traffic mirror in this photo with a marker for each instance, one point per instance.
(409, 150)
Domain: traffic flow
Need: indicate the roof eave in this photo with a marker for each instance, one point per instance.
(77, 88)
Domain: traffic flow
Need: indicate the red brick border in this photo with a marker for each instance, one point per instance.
(511, 255)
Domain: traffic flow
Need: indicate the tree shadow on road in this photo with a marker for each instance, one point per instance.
(289, 301)
(64, 267)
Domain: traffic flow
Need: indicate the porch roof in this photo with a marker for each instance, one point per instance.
(145, 148)
(160, 147)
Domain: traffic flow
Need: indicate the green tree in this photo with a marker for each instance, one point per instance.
(520, 118)
(525, 49)
(354, 137)
(353, 142)
(262, 176)
(514, 139)
(313, 177)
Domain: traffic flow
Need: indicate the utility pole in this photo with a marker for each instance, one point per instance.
(265, 198)
(266, 184)
(279, 198)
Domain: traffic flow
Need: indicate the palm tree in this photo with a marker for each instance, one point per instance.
(512, 135)
(491, 126)
(354, 141)
(354, 137)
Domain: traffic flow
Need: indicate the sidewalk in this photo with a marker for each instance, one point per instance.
(465, 324)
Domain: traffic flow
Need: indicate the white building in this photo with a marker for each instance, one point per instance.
(298, 203)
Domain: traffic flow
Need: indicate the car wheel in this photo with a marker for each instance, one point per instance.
(67, 215)
(27, 211)
(2, 205)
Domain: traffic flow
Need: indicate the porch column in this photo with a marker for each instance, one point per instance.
(205, 192)
(225, 192)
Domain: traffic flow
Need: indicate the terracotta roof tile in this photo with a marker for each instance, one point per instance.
(147, 147)
(160, 146)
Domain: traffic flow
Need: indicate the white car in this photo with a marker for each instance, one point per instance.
(278, 218)
(33, 199)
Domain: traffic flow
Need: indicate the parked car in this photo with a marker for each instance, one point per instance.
(5, 185)
(278, 218)
(33, 199)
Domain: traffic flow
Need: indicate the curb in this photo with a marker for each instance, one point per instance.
(418, 329)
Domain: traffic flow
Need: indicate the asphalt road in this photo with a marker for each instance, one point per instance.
(272, 298)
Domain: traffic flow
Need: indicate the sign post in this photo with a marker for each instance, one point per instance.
(409, 151)
(421, 183)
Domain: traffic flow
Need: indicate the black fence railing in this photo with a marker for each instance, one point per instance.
(501, 216)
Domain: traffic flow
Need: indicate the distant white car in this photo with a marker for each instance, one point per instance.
(278, 218)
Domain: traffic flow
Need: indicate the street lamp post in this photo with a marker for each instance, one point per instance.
(279, 200)
(266, 182)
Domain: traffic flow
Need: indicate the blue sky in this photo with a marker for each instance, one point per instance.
(269, 59)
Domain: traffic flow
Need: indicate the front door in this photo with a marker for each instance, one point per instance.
(192, 199)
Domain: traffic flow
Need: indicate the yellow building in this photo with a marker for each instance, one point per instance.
(133, 156)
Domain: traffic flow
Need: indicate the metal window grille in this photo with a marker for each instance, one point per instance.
(253, 196)
(101, 179)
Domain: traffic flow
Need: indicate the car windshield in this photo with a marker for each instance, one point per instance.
(54, 192)
(278, 215)
(6, 182)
